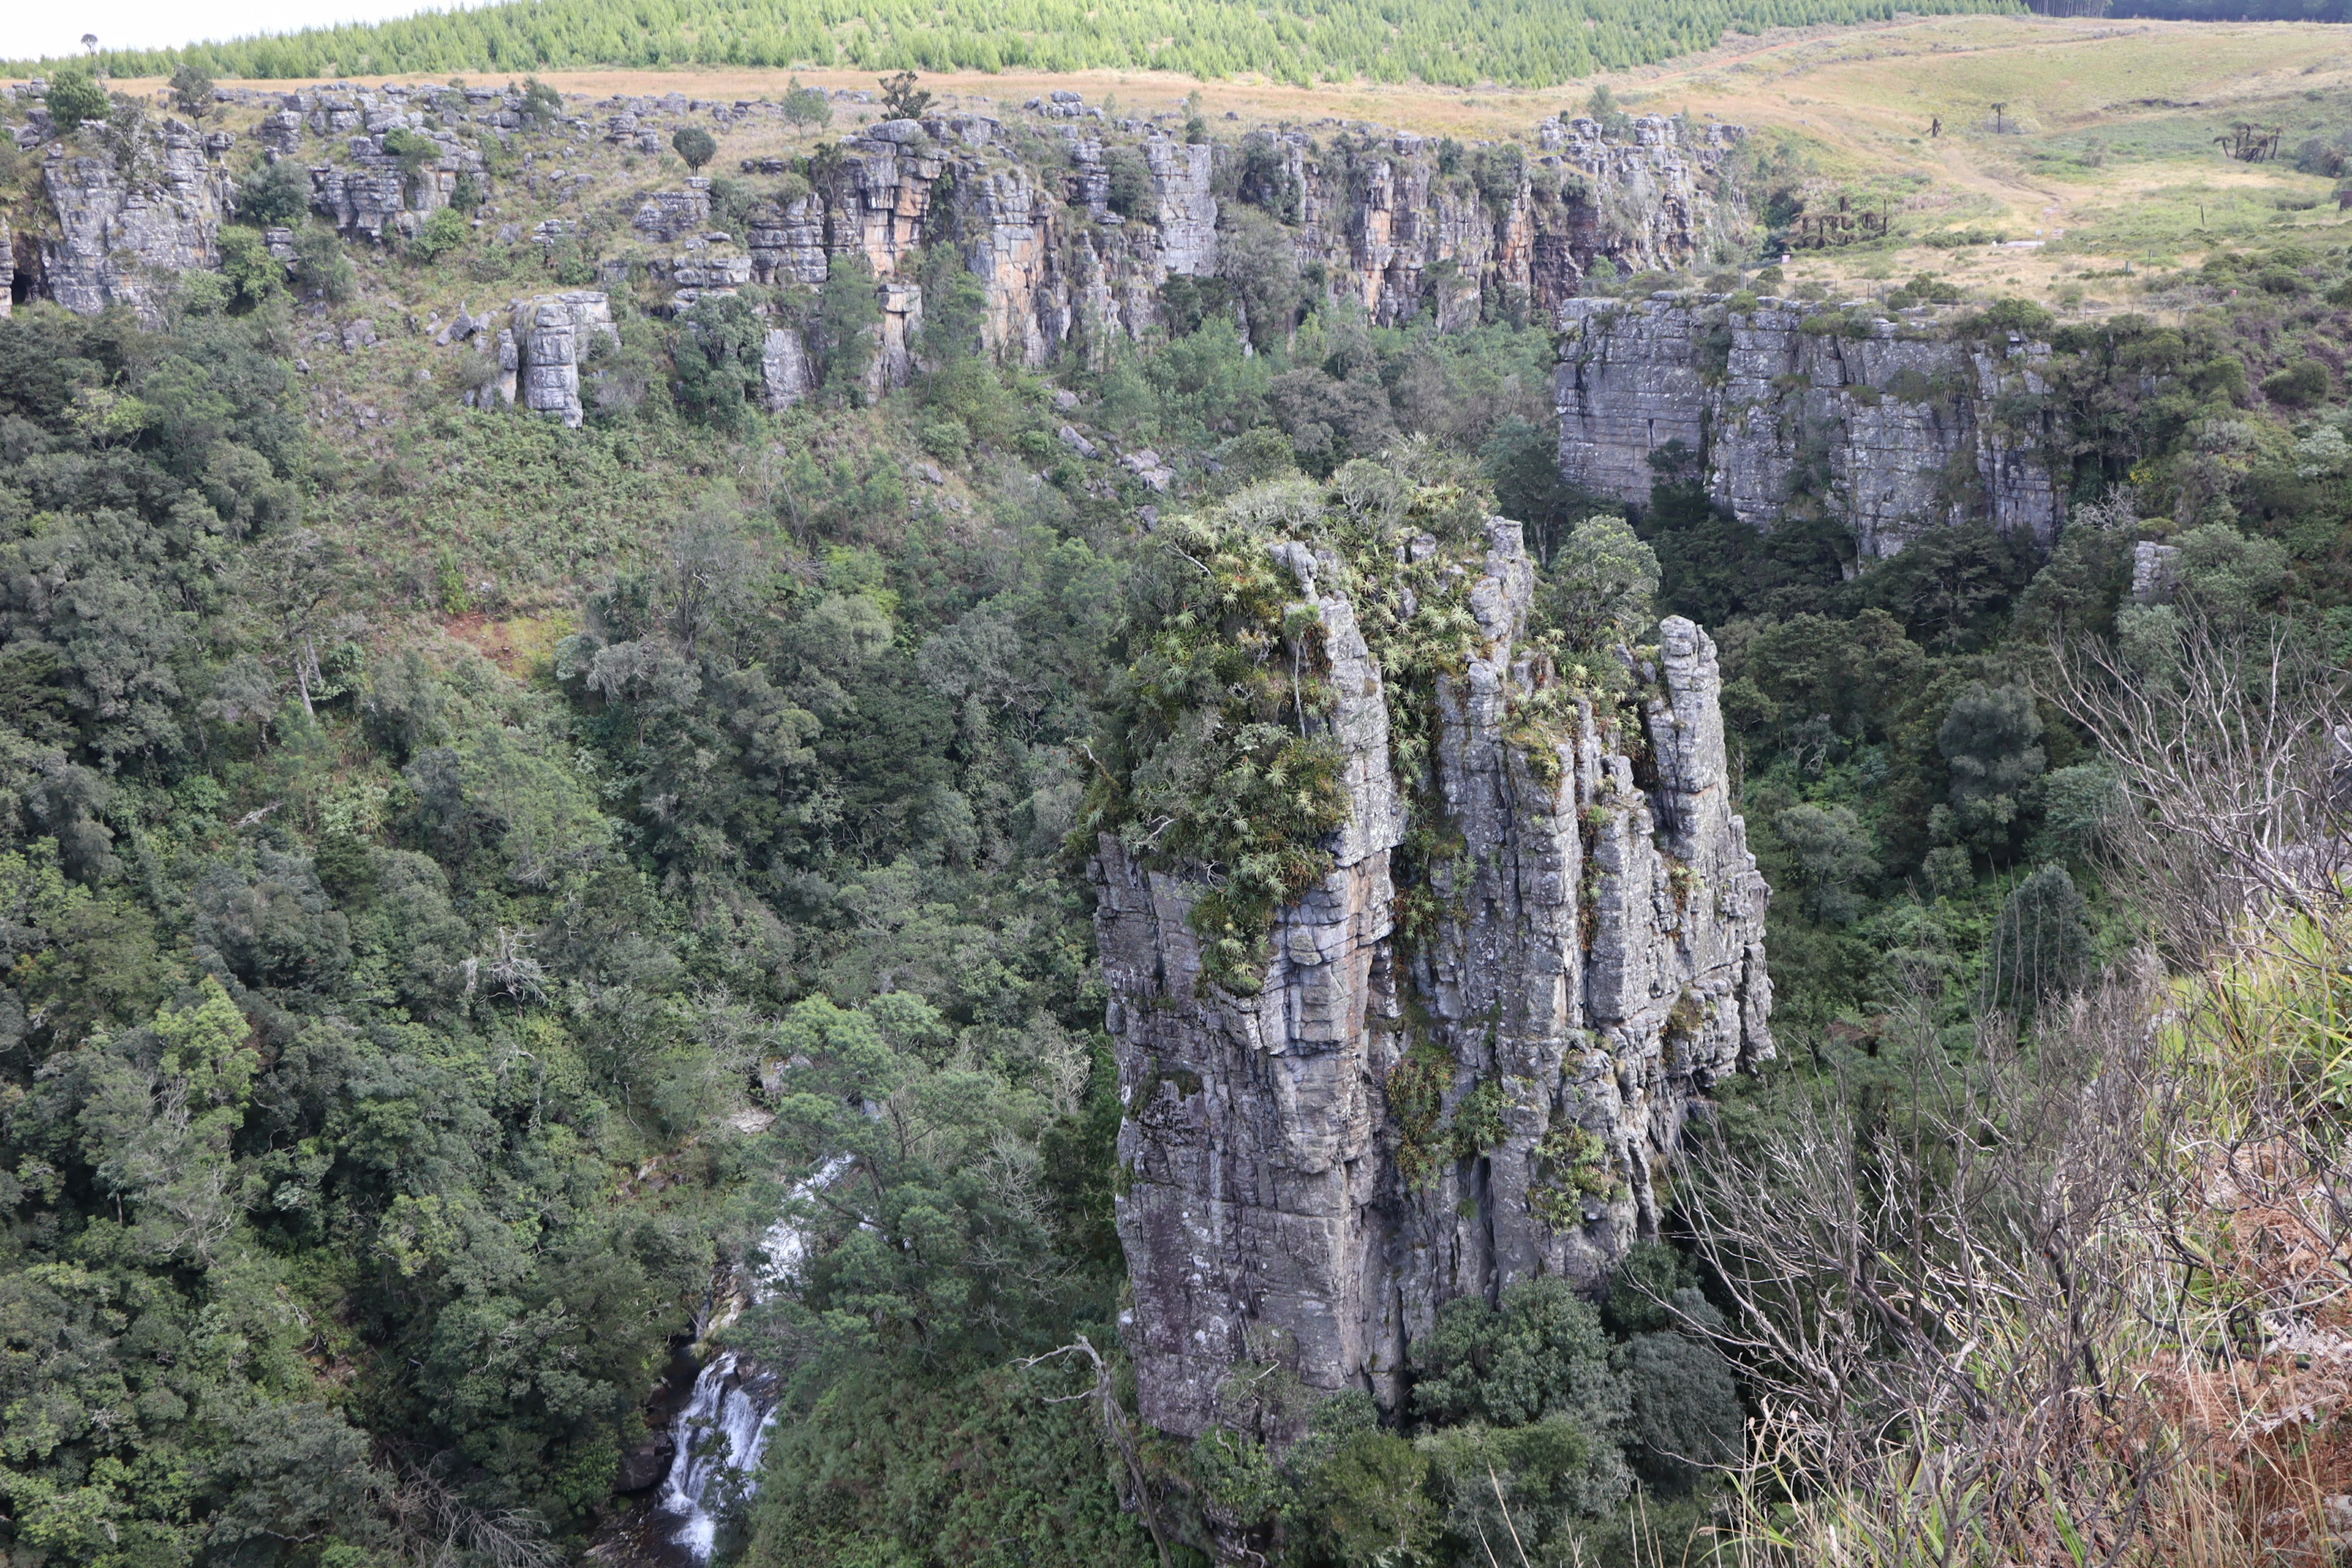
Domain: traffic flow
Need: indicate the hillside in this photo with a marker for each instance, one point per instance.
(1078, 818)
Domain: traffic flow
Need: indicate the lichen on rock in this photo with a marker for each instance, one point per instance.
(1410, 996)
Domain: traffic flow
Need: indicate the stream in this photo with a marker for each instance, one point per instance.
(723, 1429)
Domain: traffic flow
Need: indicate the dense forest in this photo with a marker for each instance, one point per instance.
(405, 1031)
(1459, 44)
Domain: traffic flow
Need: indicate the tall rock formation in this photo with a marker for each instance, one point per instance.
(1406, 1113)
(1890, 426)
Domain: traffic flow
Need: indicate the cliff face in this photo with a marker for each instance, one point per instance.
(1377, 216)
(1394, 1121)
(1895, 431)
(1071, 223)
(125, 226)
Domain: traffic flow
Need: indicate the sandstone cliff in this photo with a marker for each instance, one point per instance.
(1889, 426)
(124, 225)
(1072, 222)
(1408, 1112)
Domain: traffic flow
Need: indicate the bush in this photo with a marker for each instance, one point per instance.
(192, 91)
(320, 267)
(275, 194)
(807, 105)
(73, 97)
(443, 232)
(693, 144)
(2304, 381)
(249, 267)
(542, 104)
(1132, 193)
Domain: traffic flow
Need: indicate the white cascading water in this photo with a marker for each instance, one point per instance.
(738, 1410)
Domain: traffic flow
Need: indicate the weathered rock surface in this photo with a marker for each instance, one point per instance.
(1509, 231)
(127, 227)
(1914, 427)
(1597, 964)
(553, 334)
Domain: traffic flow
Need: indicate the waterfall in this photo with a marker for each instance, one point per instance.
(723, 1429)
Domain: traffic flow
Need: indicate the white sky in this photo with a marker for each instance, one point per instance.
(34, 28)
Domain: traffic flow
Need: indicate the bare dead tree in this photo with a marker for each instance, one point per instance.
(1924, 1305)
(440, 1530)
(2235, 764)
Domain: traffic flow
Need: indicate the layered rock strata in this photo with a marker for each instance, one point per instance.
(1891, 426)
(125, 228)
(1595, 961)
(551, 336)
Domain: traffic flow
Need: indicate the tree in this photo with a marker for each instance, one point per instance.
(807, 105)
(320, 267)
(901, 100)
(75, 96)
(1832, 850)
(693, 144)
(2042, 944)
(192, 90)
(275, 195)
(1599, 591)
(847, 313)
(1989, 740)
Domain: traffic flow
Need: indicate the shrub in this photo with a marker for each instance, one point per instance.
(275, 193)
(320, 267)
(1132, 193)
(442, 233)
(693, 144)
(807, 105)
(249, 267)
(75, 96)
(2303, 381)
(542, 104)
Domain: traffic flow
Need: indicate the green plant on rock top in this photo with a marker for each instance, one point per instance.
(1478, 1124)
(1215, 760)
(1573, 1165)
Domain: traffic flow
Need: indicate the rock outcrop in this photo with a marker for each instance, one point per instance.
(126, 226)
(1403, 1116)
(1890, 426)
(553, 335)
(1073, 223)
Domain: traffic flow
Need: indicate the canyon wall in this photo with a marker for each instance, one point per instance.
(1891, 425)
(1394, 1121)
(1072, 222)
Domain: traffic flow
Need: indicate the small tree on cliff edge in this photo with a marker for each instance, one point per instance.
(901, 100)
(74, 97)
(191, 91)
(695, 145)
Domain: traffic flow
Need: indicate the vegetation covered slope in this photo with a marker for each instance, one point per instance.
(459, 873)
(1457, 44)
